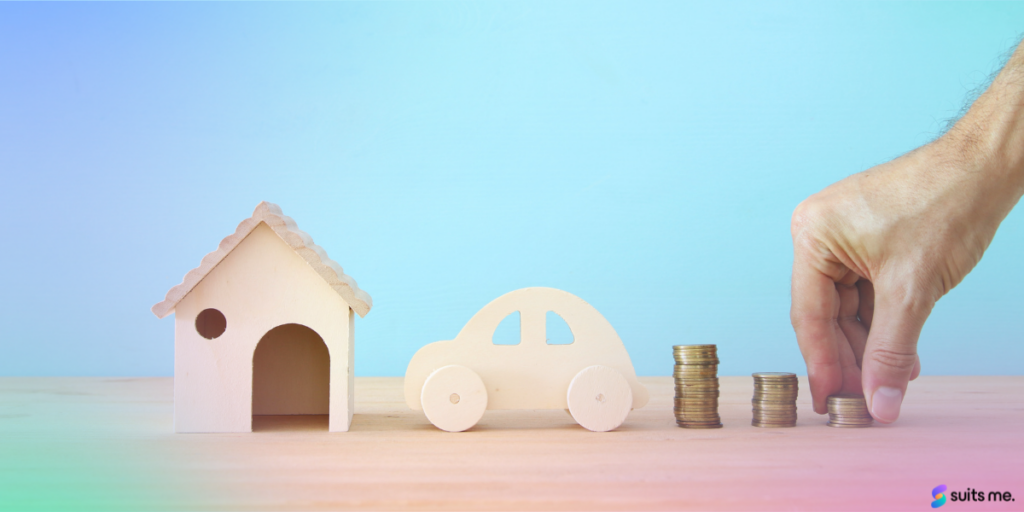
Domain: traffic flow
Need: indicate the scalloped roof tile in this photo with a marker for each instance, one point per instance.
(298, 240)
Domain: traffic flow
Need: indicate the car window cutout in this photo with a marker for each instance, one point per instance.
(509, 331)
(558, 332)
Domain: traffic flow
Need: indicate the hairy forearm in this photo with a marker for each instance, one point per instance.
(991, 134)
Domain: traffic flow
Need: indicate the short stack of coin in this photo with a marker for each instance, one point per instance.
(848, 411)
(696, 377)
(774, 399)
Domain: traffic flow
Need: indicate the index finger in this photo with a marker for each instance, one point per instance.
(813, 313)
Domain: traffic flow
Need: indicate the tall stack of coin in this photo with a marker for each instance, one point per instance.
(696, 377)
(848, 411)
(774, 399)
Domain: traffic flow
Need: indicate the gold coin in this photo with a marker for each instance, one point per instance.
(692, 361)
(697, 392)
(786, 411)
(774, 417)
(695, 374)
(773, 400)
(774, 375)
(846, 398)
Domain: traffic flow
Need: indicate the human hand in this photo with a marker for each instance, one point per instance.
(875, 251)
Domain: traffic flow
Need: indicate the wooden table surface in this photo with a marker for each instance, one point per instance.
(107, 444)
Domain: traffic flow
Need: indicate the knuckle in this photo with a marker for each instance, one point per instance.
(804, 214)
(894, 360)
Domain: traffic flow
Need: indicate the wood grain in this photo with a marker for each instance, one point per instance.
(113, 440)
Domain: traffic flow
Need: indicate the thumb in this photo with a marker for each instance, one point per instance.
(890, 355)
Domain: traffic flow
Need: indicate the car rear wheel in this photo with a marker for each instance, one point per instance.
(454, 398)
(599, 398)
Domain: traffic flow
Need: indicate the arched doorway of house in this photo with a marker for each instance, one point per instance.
(291, 379)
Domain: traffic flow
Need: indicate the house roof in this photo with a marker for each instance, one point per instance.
(298, 240)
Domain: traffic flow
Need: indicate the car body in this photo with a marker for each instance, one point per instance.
(532, 374)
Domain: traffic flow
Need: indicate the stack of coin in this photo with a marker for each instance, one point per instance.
(849, 411)
(696, 376)
(774, 399)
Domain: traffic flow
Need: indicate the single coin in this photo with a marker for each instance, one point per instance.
(689, 377)
(701, 358)
(776, 396)
(850, 414)
(703, 393)
(695, 375)
(694, 425)
(777, 391)
(845, 398)
(773, 401)
(848, 425)
(712, 402)
(772, 425)
(690, 396)
(774, 375)
(697, 371)
(775, 410)
(693, 390)
(848, 404)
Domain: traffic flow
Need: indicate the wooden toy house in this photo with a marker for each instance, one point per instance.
(264, 326)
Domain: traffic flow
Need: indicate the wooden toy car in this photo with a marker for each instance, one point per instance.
(454, 381)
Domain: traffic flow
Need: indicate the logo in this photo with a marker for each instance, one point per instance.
(939, 495)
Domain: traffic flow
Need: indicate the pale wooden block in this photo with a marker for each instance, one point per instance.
(532, 374)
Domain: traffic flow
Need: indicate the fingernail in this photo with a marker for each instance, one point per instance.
(885, 404)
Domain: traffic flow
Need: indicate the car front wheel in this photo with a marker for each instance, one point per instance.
(599, 398)
(454, 398)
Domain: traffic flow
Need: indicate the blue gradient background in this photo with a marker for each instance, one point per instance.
(644, 156)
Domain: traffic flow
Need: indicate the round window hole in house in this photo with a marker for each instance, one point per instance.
(211, 323)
